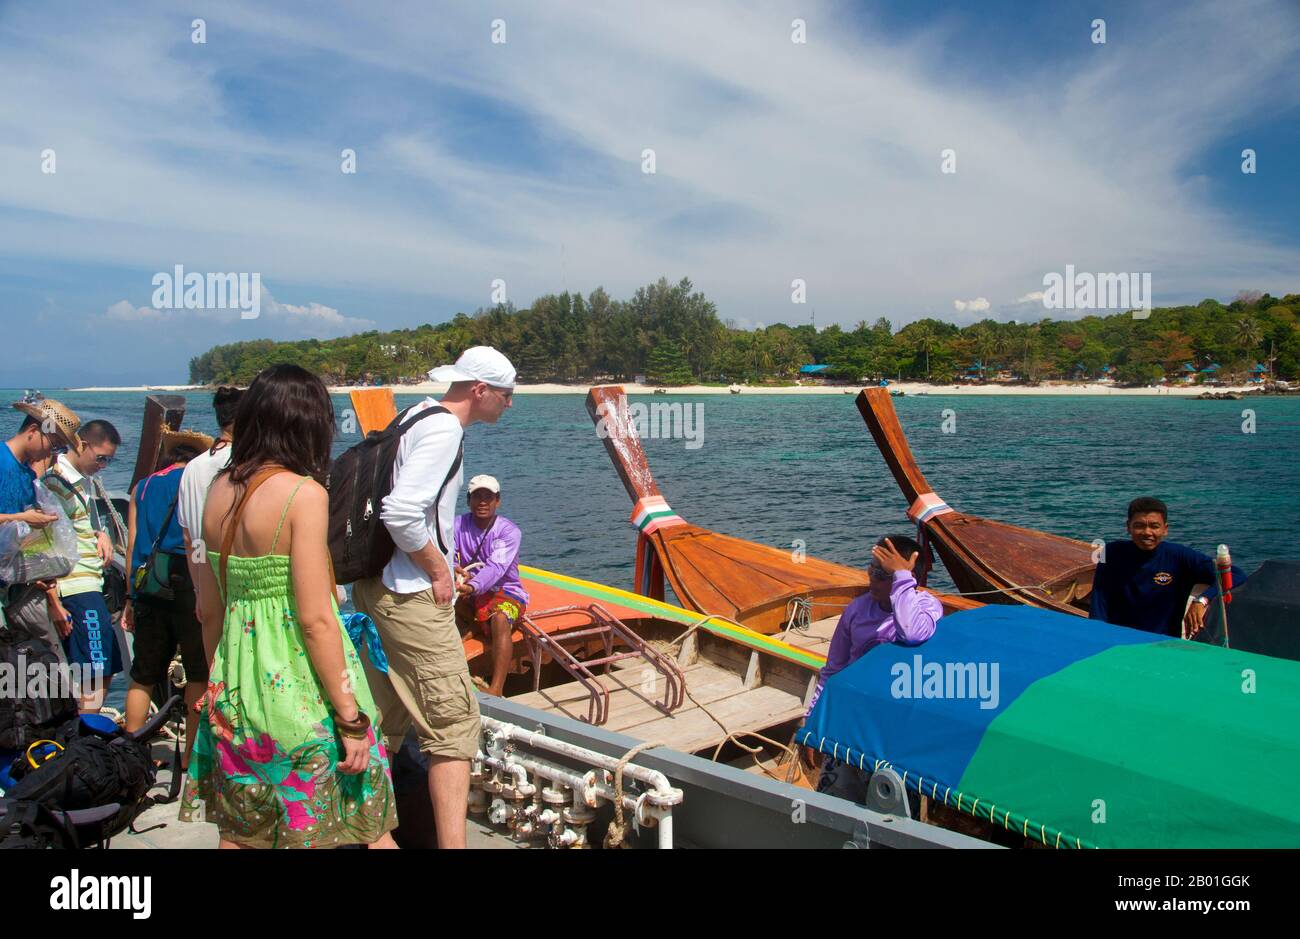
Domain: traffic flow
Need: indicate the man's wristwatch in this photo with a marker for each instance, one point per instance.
(1202, 601)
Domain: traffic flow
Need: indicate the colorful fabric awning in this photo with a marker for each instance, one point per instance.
(1078, 733)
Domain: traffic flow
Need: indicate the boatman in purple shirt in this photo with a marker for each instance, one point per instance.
(893, 609)
(489, 597)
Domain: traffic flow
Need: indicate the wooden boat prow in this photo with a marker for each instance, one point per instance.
(750, 583)
(981, 555)
(161, 432)
(373, 408)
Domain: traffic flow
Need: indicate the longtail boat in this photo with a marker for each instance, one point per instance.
(372, 409)
(160, 432)
(1000, 563)
(755, 585)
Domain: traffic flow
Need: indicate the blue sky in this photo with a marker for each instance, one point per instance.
(522, 161)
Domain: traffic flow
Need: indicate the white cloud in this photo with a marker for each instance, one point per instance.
(125, 311)
(1034, 296)
(313, 315)
(977, 305)
(312, 318)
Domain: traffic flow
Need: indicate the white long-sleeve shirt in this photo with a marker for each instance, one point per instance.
(412, 512)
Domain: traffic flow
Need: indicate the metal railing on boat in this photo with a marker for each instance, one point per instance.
(602, 626)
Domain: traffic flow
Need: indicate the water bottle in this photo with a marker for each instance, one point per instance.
(1223, 564)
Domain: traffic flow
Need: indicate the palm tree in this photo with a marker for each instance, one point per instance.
(1248, 333)
(984, 344)
(923, 339)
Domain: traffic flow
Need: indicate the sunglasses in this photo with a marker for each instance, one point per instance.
(102, 460)
(877, 572)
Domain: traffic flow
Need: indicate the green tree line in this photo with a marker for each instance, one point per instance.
(672, 334)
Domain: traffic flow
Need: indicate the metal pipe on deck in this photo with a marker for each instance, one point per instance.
(664, 792)
(590, 789)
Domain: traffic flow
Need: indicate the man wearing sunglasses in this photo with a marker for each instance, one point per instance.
(79, 610)
(893, 609)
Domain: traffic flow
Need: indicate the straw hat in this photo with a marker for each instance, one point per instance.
(55, 418)
(185, 437)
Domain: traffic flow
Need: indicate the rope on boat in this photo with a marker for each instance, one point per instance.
(734, 736)
(119, 526)
(617, 829)
(798, 615)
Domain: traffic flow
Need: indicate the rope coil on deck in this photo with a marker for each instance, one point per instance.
(734, 736)
(617, 828)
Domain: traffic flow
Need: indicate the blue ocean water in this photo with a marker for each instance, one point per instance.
(781, 469)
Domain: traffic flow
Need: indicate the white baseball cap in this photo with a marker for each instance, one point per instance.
(479, 363)
(485, 482)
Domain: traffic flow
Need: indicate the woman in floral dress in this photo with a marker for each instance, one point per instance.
(287, 754)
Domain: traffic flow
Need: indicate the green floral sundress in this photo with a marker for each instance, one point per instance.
(264, 766)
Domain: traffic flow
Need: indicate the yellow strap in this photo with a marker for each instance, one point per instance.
(37, 743)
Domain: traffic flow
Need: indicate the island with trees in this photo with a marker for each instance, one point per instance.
(672, 335)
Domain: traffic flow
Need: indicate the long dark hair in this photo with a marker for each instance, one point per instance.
(285, 417)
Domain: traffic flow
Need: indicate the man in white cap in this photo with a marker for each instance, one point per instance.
(490, 598)
(413, 602)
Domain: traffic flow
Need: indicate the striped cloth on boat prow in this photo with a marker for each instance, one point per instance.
(652, 513)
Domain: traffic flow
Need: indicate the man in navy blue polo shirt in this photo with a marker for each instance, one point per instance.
(1145, 582)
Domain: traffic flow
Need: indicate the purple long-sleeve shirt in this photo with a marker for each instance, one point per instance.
(497, 548)
(865, 623)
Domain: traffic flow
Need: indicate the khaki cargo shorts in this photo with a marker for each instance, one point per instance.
(428, 681)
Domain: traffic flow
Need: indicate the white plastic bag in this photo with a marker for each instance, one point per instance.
(28, 554)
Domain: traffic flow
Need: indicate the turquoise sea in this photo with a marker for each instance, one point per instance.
(777, 469)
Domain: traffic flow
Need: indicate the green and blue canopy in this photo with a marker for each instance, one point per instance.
(1077, 733)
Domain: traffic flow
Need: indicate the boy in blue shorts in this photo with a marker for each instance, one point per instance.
(80, 613)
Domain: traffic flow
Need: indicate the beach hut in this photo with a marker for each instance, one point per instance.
(813, 371)
(1257, 373)
(1187, 372)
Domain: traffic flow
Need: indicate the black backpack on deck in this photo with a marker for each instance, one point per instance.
(25, 718)
(358, 481)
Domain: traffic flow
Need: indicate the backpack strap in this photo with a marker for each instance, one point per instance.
(228, 540)
(401, 425)
(455, 467)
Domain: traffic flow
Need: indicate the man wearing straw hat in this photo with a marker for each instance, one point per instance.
(48, 428)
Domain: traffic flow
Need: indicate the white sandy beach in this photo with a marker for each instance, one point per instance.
(1087, 389)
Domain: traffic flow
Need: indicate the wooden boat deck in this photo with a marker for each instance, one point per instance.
(689, 729)
(816, 640)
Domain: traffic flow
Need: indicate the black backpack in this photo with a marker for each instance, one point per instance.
(358, 481)
(24, 719)
(89, 791)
